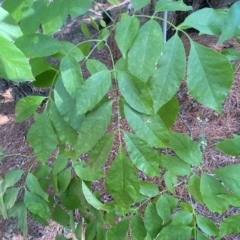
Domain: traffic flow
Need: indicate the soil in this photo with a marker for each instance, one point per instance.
(204, 125)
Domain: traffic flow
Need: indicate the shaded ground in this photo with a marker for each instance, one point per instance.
(205, 126)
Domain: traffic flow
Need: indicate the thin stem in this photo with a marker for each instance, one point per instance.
(189, 129)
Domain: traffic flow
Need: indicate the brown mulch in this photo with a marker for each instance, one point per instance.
(204, 125)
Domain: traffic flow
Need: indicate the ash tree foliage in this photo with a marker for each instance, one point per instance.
(74, 123)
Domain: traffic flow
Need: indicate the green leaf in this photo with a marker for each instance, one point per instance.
(186, 148)
(194, 188)
(64, 179)
(229, 225)
(40, 220)
(36, 205)
(16, 8)
(55, 16)
(94, 127)
(64, 131)
(85, 173)
(32, 16)
(175, 232)
(175, 165)
(207, 226)
(182, 218)
(91, 199)
(85, 30)
(54, 183)
(92, 91)
(39, 65)
(95, 66)
(150, 128)
(170, 181)
(231, 54)
(152, 221)
(42, 171)
(34, 187)
(90, 232)
(206, 21)
(231, 24)
(44, 183)
(71, 75)
(173, 202)
(78, 230)
(145, 50)
(98, 156)
(138, 4)
(135, 92)
(73, 197)
(10, 179)
(142, 155)
(163, 208)
(37, 45)
(77, 8)
(41, 138)
(209, 76)
(210, 188)
(166, 80)
(10, 197)
(60, 216)
(232, 199)
(201, 236)
(113, 2)
(59, 163)
(9, 28)
(20, 212)
(229, 175)
(122, 181)
(166, 5)
(60, 237)
(85, 48)
(46, 79)
(230, 146)
(1, 158)
(13, 64)
(168, 112)
(27, 106)
(137, 228)
(148, 189)
(126, 31)
(119, 230)
(69, 49)
(66, 106)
